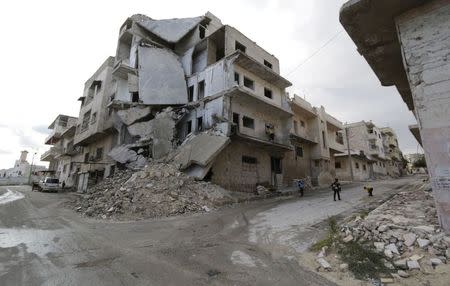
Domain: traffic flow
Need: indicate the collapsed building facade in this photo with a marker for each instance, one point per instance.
(203, 95)
(406, 43)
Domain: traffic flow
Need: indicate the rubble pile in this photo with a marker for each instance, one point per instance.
(405, 231)
(158, 190)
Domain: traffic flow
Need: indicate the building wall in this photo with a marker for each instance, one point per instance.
(230, 172)
(424, 37)
(361, 169)
(259, 54)
(297, 166)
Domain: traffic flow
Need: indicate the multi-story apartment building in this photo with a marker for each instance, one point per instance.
(392, 151)
(366, 138)
(316, 137)
(57, 138)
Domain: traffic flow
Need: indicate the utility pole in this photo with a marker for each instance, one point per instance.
(31, 168)
(348, 152)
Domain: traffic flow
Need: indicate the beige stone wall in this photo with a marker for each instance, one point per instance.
(359, 174)
(297, 167)
(230, 172)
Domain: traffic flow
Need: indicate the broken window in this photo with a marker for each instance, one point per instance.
(201, 89)
(99, 154)
(86, 158)
(295, 127)
(240, 47)
(191, 93)
(64, 168)
(249, 83)
(268, 93)
(200, 124)
(236, 119)
(236, 78)
(356, 165)
(302, 123)
(201, 31)
(364, 167)
(299, 151)
(249, 160)
(135, 97)
(337, 165)
(339, 138)
(94, 117)
(267, 64)
(86, 118)
(188, 127)
(248, 122)
(275, 164)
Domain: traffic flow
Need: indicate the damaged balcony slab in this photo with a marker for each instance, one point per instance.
(133, 114)
(130, 158)
(198, 152)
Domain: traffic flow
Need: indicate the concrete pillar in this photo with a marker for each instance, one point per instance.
(23, 156)
(424, 35)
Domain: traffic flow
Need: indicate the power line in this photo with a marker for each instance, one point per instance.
(316, 52)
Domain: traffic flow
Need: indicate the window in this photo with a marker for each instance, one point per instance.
(356, 165)
(135, 97)
(99, 154)
(236, 78)
(267, 93)
(302, 123)
(298, 151)
(86, 157)
(295, 127)
(240, 47)
(337, 165)
(276, 165)
(64, 168)
(323, 140)
(201, 32)
(188, 127)
(248, 122)
(201, 89)
(94, 117)
(236, 118)
(249, 160)
(316, 163)
(249, 83)
(199, 123)
(364, 167)
(267, 64)
(86, 118)
(191, 93)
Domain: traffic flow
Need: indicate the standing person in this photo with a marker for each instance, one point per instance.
(336, 187)
(63, 184)
(301, 186)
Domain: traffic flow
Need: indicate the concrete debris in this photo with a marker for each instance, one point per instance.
(416, 257)
(385, 280)
(158, 190)
(401, 263)
(324, 264)
(393, 248)
(403, 274)
(409, 239)
(343, 266)
(379, 246)
(348, 238)
(413, 264)
(423, 242)
(133, 114)
(435, 261)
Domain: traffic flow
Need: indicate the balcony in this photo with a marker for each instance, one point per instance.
(53, 138)
(336, 146)
(51, 154)
(333, 123)
(122, 69)
(302, 107)
(303, 137)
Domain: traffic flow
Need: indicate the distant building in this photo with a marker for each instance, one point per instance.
(21, 168)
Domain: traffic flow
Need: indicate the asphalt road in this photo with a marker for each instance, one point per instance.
(260, 243)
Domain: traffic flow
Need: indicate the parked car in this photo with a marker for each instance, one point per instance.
(48, 184)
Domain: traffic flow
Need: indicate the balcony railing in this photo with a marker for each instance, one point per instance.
(50, 154)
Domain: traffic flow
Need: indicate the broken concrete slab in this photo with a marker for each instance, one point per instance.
(435, 261)
(393, 248)
(403, 274)
(141, 129)
(324, 264)
(413, 264)
(133, 114)
(348, 238)
(423, 229)
(379, 246)
(423, 242)
(409, 238)
(201, 149)
(122, 154)
(171, 30)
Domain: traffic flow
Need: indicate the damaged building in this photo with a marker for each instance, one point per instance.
(204, 96)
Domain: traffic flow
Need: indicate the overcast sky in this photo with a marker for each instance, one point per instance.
(50, 48)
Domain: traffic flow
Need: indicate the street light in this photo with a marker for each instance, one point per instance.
(31, 168)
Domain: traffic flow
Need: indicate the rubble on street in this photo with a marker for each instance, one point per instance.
(158, 190)
(405, 231)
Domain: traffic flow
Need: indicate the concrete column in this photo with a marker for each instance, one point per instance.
(424, 35)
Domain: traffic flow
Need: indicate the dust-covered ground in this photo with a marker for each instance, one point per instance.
(42, 242)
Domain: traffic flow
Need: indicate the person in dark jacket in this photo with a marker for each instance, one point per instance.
(369, 189)
(336, 187)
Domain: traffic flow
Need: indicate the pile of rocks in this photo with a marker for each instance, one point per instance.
(158, 190)
(405, 230)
